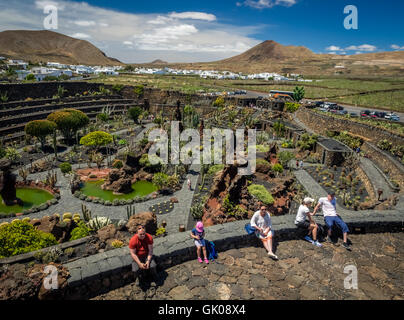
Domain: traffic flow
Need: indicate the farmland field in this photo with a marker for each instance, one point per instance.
(382, 93)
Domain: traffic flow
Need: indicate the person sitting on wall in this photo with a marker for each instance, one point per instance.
(261, 221)
(310, 225)
(141, 250)
(331, 218)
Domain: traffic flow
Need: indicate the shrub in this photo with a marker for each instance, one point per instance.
(117, 244)
(21, 237)
(96, 139)
(160, 231)
(12, 154)
(117, 88)
(65, 167)
(261, 193)
(102, 117)
(160, 180)
(219, 102)
(284, 157)
(197, 211)
(145, 162)
(291, 107)
(138, 90)
(277, 167)
(30, 77)
(40, 129)
(215, 169)
(134, 113)
(117, 164)
(98, 223)
(69, 121)
(80, 232)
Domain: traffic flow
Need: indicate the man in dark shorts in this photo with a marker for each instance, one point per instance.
(141, 250)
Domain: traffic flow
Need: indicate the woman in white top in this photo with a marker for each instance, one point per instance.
(309, 225)
(261, 222)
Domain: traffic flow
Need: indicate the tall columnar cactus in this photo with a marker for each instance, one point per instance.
(86, 213)
(130, 211)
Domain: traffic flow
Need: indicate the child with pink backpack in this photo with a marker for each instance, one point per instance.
(198, 234)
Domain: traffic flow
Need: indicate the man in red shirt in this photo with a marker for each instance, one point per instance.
(141, 250)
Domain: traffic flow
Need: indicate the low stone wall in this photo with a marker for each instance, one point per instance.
(386, 163)
(367, 183)
(22, 91)
(106, 271)
(321, 123)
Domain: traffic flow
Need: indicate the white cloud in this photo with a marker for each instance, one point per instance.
(333, 48)
(80, 35)
(193, 15)
(396, 47)
(168, 36)
(41, 4)
(362, 48)
(265, 4)
(84, 23)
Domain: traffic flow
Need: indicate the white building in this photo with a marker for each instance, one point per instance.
(17, 63)
(41, 73)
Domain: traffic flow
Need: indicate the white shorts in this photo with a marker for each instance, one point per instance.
(200, 243)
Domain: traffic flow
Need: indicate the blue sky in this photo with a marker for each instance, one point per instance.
(185, 31)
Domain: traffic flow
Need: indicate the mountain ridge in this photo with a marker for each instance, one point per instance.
(49, 46)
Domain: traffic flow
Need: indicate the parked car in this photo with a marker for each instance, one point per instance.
(353, 115)
(318, 104)
(365, 113)
(373, 115)
(380, 115)
(342, 112)
(392, 116)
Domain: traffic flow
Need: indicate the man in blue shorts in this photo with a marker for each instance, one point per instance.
(331, 218)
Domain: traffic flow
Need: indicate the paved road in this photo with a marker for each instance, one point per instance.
(349, 108)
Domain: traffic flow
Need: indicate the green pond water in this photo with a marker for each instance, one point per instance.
(140, 189)
(30, 197)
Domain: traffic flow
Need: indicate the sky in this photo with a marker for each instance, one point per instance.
(197, 31)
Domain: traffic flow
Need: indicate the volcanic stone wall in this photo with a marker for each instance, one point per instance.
(22, 91)
(386, 163)
(322, 123)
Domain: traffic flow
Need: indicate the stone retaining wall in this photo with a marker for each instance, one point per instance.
(386, 163)
(104, 272)
(321, 123)
(367, 183)
(22, 91)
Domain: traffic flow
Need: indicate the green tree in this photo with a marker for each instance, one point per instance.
(69, 121)
(96, 139)
(30, 77)
(134, 113)
(298, 93)
(40, 129)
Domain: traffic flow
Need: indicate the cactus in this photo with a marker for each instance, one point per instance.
(51, 179)
(86, 213)
(67, 215)
(130, 211)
